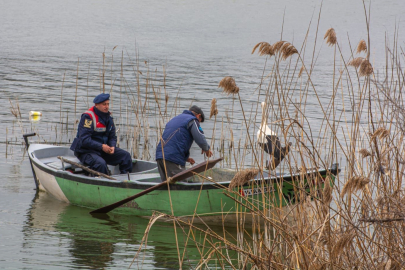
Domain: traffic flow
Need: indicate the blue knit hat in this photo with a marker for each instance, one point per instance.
(101, 98)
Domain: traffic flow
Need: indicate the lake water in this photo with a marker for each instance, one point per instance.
(45, 44)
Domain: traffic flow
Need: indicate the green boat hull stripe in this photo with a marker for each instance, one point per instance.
(184, 202)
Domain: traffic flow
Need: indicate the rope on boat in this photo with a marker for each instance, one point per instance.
(85, 168)
(171, 180)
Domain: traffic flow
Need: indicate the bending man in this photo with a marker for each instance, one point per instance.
(95, 142)
(179, 134)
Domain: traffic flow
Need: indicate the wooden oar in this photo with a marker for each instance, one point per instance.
(178, 177)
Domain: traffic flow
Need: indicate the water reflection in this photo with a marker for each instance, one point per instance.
(73, 238)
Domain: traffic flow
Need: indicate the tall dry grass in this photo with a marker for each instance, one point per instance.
(359, 222)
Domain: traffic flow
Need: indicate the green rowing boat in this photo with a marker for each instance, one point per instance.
(206, 196)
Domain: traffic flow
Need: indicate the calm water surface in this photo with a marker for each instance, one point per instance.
(198, 42)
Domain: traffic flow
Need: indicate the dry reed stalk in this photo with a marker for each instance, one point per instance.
(6, 141)
(381, 167)
(362, 46)
(61, 97)
(166, 101)
(242, 177)
(144, 241)
(299, 74)
(230, 88)
(77, 83)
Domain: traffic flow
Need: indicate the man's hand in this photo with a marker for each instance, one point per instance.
(107, 149)
(191, 161)
(208, 153)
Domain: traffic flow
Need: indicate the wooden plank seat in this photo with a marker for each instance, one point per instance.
(57, 164)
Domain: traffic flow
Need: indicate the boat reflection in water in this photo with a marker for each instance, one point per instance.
(57, 234)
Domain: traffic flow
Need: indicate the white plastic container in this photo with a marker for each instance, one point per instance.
(34, 113)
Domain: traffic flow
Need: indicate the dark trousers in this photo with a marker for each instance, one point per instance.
(171, 168)
(98, 160)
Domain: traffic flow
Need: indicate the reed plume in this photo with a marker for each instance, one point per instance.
(277, 46)
(365, 68)
(380, 132)
(342, 243)
(229, 86)
(364, 153)
(330, 37)
(327, 191)
(362, 46)
(384, 134)
(15, 108)
(356, 62)
(242, 177)
(287, 50)
(264, 49)
(214, 110)
(353, 184)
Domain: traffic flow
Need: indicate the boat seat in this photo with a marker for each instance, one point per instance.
(56, 163)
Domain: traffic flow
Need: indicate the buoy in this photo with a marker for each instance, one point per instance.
(35, 118)
(34, 113)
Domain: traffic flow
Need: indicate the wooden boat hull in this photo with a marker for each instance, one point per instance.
(204, 199)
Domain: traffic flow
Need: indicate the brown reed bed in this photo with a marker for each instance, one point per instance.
(357, 223)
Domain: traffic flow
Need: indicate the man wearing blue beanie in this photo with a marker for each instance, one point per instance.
(95, 142)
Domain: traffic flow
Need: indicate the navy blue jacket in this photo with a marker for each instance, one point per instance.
(90, 138)
(177, 139)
